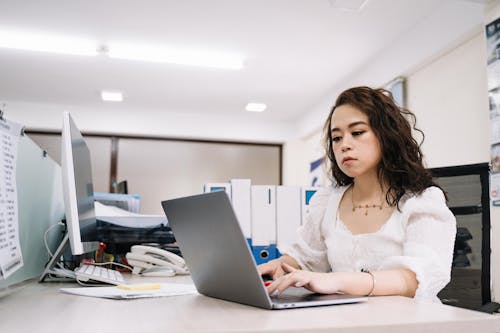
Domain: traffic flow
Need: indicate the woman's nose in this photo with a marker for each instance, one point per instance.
(345, 148)
(346, 145)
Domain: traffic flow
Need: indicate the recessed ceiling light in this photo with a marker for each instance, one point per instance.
(351, 5)
(255, 107)
(111, 96)
(181, 56)
(47, 43)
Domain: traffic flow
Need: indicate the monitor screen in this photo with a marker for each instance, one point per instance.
(77, 189)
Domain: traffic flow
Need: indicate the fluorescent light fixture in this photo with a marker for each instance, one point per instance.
(350, 5)
(181, 56)
(47, 43)
(111, 96)
(255, 107)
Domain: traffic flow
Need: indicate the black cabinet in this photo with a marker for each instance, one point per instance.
(467, 188)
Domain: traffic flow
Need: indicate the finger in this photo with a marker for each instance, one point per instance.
(287, 268)
(276, 285)
(284, 286)
(302, 282)
(272, 287)
(265, 269)
(280, 285)
(298, 279)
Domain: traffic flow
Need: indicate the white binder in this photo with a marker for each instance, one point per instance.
(288, 213)
(241, 200)
(263, 215)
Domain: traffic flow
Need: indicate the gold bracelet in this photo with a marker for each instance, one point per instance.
(373, 281)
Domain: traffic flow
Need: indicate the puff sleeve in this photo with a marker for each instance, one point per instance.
(428, 247)
(309, 248)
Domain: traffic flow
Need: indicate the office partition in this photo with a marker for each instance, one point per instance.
(100, 151)
(40, 206)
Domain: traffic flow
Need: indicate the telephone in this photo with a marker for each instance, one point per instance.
(147, 260)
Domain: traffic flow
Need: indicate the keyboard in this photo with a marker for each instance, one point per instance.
(93, 273)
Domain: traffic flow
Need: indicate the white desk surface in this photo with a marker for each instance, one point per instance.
(39, 307)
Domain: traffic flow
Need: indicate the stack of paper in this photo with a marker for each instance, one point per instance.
(118, 292)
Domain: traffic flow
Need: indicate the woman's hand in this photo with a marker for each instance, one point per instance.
(323, 283)
(274, 269)
(271, 268)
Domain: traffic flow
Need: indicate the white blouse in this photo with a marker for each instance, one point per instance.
(420, 237)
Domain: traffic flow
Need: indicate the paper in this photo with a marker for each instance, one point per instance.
(106, 210)
(166, 289)
(125, 218)
(10, 251)
(128, 202)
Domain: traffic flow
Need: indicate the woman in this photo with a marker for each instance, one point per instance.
(384, 229)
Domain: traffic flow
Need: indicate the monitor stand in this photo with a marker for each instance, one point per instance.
(54, 273)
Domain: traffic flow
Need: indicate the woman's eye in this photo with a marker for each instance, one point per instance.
(357, 133)
(336, 138)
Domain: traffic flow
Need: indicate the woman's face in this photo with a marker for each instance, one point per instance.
(355, 145)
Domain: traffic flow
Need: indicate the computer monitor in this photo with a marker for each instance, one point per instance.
(78, 189)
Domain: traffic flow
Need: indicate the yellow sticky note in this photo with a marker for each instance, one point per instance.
(140, 286)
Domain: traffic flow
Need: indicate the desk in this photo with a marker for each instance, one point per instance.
(36, 307)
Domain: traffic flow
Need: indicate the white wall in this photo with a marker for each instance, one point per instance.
(450, 99)
(297, 154)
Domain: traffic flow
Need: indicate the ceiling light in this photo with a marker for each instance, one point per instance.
(111, 96)
(47, 43)
(255, 107)
(181, 56)
(350, 5)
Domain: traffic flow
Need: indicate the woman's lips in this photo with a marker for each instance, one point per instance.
(348, 160)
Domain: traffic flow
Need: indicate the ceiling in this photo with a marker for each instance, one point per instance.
(297, 52)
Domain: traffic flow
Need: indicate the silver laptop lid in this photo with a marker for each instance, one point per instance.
(216, 251)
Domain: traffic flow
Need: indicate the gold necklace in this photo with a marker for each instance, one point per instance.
(354, 206)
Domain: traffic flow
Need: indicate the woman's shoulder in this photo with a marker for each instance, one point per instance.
(431, 201)
(430, 194)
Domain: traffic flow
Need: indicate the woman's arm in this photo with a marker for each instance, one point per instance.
(401, 282)
(391, 282)
(428, 247)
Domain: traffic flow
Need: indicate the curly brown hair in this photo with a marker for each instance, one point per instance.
(401, 166)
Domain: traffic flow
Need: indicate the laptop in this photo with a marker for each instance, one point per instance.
(219, 258)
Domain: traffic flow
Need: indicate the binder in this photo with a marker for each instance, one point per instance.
(306, 194)
(263, 203)
(288, 213)
(213, 187)
(241, 200)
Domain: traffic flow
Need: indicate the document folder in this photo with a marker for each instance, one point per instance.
(241, 201)
(263, 222)
(288, 214)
